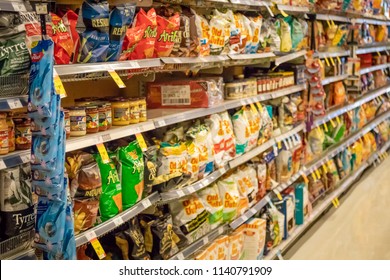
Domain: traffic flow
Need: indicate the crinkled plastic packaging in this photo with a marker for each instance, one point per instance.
(167, 35)
(230, 197)
(63, 43)
(212, 201)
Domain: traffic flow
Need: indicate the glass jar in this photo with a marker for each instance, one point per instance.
(142, 110)
(4, 149)
(11, 132)
(102, 117)
(108, 114)
(120, 108)
(85, 101)
(134, 111)
(23, 133)
(92, 119)
(67, 123)
(78, 125)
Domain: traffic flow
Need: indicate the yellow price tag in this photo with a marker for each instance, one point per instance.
(386, 154)
(103, 153)
(337, 202)
(381, 156)
(332, 22)
(319, 129)
(141, 141)
(313, 175)
(98, 248)
(114, 75)
(332, 60)
(332, 123)
(58, 85)
(338, 120)
(253, 108)
(283, 13)
(318, 174)
(327, 61)
(326, 127)
(334, 203)
(325, 169)
(279, 145)
(328, 22)
(259, 106)
(329, 165)
(378, 53)
(321, 64)
(338, 59)
(278, 194)
(305, 179)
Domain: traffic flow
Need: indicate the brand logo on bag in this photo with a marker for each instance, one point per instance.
(100, 22)
(173, 36)
(5, 51)
(21, 221)
(150, 33)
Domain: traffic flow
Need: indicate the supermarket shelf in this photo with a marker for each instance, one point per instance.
(250, 212)
(176, 194)
(164, 117)
(282, 58)
(294, 9)
(12, 6)
(364, 99)
(256, 151)
(333, 151)
(251, 56)
(374, 68)
(373, 48)
(195, 246)
(333, 52)
(14, 159)
(13, 102)
(333, 17)
(381, 21)
(118, 220)
(334, 79)
(195, 60)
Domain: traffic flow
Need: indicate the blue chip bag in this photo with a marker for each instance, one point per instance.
(95, 15)
(41, 86)
(50, 224)
(94, 46)
(121, 18)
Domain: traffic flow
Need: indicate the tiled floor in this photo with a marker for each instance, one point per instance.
(358, 229)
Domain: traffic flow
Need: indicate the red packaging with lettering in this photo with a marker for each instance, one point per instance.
(70, 20)
(63, 43)
(132, 38)
(145, 48)
(167, 35)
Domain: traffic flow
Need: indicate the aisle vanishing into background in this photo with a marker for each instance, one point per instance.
(358, 229)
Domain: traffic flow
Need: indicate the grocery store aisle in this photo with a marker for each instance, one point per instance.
(358, 229)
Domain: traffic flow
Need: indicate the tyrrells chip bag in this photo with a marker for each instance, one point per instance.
(93, 26)
(167, 35)
(145, 48)
(63, 43)
(121, 18)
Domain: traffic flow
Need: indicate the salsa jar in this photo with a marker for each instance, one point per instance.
(142, 110)
(4, 149)
(23, 133)
(107, 105)
(67, 122)
(78, 125)
(92, 119)
(102, 117)
(120, 108)
(11, 132)
(134, 111)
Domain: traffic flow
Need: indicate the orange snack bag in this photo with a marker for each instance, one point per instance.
(167, 35)
(145, 47)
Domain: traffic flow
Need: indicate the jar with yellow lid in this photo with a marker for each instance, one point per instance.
(4, 148)
(78, 125)
(120, 108)
(142, 110)
(134, 110)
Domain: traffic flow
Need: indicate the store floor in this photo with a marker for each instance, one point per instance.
(358, 229)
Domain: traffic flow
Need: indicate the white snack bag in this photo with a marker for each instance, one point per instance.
(230, 197)
(212, 201)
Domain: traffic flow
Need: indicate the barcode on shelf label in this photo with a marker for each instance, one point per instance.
(90, 235)
(2, 164)
(176, 95)
(146, 203)
(105, 138)
(25, 158)
(14, 104)
(118, 221)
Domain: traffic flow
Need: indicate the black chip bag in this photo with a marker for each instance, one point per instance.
(137, 247)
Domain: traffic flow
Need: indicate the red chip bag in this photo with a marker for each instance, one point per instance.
(70, 20)
(132, 38)
(145, 48)
(167, 35)
(63, 43)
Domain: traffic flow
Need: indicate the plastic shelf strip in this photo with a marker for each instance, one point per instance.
(251, 56)
(332, 17)
(14, 159)
(9, 103)
(192, 60)
(12, 6)
(374, 68)
(195, 246)
(372, 21)
(338, 52)
(364, 50)
(334, 79)
(119, 219)
(288, 57)
(364, 99)
(289, 8)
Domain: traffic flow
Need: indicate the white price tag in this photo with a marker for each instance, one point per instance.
(205, 240)
(134, 64)
(18, 7)
(191, 189)
(161, 123)
(180, 193)
(176, 60)
(220, 230)
(25, 158)
(180, 256)
(287, 146)
(90, 235)
(2, 164)
(222, 170)
(104, 138)
(146, 203)
(291, 143)
(252, 211)
(14, 104)
(275, 150)
(243, 103)
(118, 221)
(41, 9)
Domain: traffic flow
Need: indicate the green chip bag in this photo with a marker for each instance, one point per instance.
(131, 173)
(111, 197)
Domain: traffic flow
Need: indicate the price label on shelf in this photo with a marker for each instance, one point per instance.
(191, 189)
(134, 64)
(338, 120)
(313, 175)
(205, 240)
(18, 7)
(141, 141)
(253, 108)
(161, 123)
(41, 9)
(118, 221)
(180, 193)
(318, 174)
(105, 138)
(14, 104)
(305, 179)
(58, 85)
(326, 127)
(325, 169)
(275, 150)
(278, 194)
(146, 203)
(2, 164)
(98, 248)
(25, 158)
(114, 75)
(220, 230)
(103, 153)
(332, 122)
(180, 256)
(259, 106)
(285, 144)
